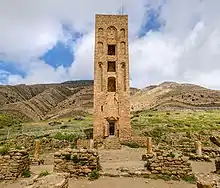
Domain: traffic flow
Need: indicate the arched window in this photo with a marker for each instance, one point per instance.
(111, 32)
(100, 31)
(111, 84)
(122, 33)
(123, 48)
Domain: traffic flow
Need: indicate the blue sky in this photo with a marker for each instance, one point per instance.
(53, 41)
(62, 53)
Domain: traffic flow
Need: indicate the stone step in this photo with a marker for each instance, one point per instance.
(112, 143)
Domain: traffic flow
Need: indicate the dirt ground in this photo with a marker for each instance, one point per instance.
(112, 159)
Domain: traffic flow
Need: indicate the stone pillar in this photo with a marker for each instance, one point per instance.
(37, 147)
(106, 129)
(149, 145)
(91, 144)
(198, 148)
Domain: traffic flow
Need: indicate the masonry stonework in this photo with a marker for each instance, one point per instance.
(111, 78)
(13, 164)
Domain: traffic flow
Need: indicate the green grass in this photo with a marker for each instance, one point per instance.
(44, 173)
(189, 124)
(156, 124)
(94, 175)
(190, 179)
(182, 121)
(4, 150)
(27, 174)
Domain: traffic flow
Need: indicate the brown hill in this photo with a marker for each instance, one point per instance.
(171, 95)
(48, 101)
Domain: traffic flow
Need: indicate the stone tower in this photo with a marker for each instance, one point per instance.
(111, 78)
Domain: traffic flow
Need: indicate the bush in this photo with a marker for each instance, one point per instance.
(190, 179)
(69, 137)
(27, 174)
(164, 177)
(44, 173)
(171, 154)
(4, 150)
(94, 175)
(7, 121)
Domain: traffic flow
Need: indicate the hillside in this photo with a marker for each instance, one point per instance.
(47, 101)
(171, 96)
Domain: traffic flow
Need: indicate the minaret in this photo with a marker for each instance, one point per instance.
(111, 78)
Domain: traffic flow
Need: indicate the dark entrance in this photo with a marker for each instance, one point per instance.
(111, 128)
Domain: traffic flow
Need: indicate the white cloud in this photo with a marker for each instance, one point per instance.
(186, 49)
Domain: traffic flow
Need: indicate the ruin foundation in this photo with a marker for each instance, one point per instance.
(13, 164)
(170, 164)
(76, 162)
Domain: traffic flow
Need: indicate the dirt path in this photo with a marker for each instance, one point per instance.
(111, 160)
(128, 183)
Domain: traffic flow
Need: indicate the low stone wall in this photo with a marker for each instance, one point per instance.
(83, 144)
(13, 164)
(169, 164)
(211, 152)
(76, 162)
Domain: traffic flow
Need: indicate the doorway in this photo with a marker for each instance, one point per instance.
(111, 128)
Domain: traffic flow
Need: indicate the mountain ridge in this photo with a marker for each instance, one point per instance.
(48, 101)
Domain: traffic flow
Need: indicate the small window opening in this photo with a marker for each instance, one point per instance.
(111, 84)
(102, 108)
(111, 66)
(111, 49)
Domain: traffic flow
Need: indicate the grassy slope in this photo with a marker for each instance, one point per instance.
(163, 126)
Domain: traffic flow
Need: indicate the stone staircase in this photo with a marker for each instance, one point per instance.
(112, 143)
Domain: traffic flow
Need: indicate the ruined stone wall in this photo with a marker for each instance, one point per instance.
(169, 164)
(83, 144)
(13, 164)
(76, 162)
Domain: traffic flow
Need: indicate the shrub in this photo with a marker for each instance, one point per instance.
(27, 174)
(67, 156)
(88, 132)
(171, 154)
(69, 137)
(164, 177)
(94, 175)
(190, 179)
(19, 147)
(4, 150)
(44, 173)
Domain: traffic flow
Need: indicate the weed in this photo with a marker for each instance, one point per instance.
(18, 147)
(75, 159)
(94, 175)
(44, 173)
(27, 174)
(190, 179)
(164, 177)
(171, 154)
(67, 156)
(4, 150)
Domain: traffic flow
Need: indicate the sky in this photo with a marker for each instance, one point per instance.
(53, 41)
